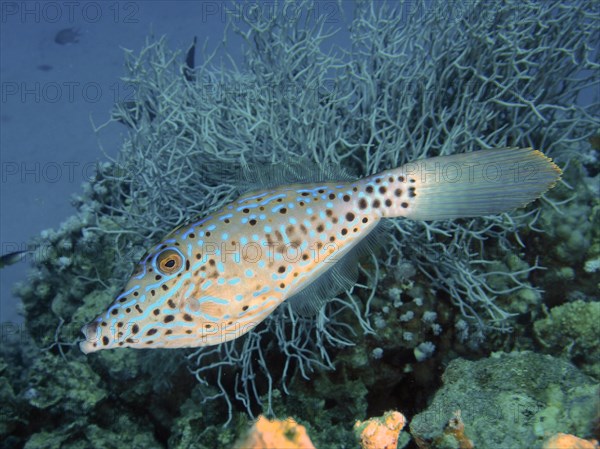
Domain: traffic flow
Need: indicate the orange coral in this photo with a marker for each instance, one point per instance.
(275, 434)
(565, 441)
(380, 433)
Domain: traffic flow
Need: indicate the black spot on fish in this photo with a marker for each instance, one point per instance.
(187, 317)
(349, 216)
(151, 332)
(105, 340)
(362, 203)
(346, 198)
(388, 202)
(138, 308)
(404, 205)
(169, 318)
(398, 192)
(135, 329)
(369, 189)
(376, 203)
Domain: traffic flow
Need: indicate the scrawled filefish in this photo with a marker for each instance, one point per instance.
(218, 277)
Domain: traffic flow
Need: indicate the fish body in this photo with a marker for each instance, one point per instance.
(216, 278)
(13, 257)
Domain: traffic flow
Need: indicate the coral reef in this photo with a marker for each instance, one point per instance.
(414, 83)
(506, 402)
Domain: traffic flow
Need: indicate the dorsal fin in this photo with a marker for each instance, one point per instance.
(340, 277)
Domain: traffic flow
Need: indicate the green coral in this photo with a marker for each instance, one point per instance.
(63, 387)
(573, 330)
(511, 400)
(122, 433)
(199, 427)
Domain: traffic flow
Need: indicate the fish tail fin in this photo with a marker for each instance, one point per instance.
(468, 185)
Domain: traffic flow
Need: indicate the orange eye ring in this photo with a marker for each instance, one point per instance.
(169, 262)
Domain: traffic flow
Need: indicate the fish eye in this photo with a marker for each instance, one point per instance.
(169, 261)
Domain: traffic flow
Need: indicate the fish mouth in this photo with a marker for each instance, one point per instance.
(92, 338)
